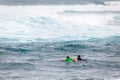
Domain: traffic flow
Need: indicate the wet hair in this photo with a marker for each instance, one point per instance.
(68, 57)
(78, 57)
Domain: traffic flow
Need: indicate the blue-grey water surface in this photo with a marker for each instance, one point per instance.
(42, 61)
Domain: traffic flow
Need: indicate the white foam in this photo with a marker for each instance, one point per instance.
(16, 22)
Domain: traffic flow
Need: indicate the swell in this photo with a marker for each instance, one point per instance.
(95, 45)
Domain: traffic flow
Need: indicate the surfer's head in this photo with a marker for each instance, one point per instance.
(68, 57)
(78, 56)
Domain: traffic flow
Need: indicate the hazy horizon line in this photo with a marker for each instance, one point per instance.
(54, 2)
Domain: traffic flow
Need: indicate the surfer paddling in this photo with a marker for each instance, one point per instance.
(79, 58)
(69, 59)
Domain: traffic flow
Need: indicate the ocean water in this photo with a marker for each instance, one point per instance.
(34, 37)
(42, 61)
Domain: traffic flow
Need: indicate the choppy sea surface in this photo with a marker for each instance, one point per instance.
(35, 35)
(42, 61)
